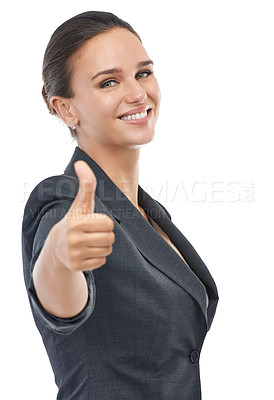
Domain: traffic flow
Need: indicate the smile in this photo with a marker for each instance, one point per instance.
(139, 118)
(135, 116)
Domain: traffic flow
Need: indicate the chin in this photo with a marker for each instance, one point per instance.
(145, 138)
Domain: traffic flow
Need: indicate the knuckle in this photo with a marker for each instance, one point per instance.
(108, 221)
(111, 224)
(98, 262)
(103, 260)
(108, 250)
(112, 237)
(98, 216)
(88, 186)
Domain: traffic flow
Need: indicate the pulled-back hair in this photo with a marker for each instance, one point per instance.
(66, 40)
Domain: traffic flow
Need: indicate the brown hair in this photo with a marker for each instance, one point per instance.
(64, 43)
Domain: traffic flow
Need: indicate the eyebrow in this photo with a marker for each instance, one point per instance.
(118, 70)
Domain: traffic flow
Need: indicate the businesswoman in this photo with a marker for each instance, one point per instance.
(121, 299)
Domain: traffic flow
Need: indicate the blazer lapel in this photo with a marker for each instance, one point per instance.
(148, 241)
(156, 250)
(196, 279)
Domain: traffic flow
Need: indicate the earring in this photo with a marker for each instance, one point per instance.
(73, 126)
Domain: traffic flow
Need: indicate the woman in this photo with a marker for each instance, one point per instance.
(121, 299)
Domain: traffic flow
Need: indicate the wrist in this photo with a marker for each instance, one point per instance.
(53, 246)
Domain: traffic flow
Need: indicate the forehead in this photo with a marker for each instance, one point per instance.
(118, 47)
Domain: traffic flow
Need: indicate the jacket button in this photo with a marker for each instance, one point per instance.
(194, 356)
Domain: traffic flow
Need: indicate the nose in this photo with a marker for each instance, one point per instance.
(135, 92)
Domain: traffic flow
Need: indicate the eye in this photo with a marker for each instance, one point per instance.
(145, 72)
(106, 84)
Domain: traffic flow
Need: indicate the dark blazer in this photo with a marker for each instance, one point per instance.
(140, 335)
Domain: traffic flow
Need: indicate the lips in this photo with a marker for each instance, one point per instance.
(135, 111)
(137, 121)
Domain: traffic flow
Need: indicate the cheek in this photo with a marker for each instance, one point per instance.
(108, 104)
(95, 106)
(105, 107)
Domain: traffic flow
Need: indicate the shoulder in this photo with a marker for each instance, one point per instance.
(56, 191)
(53, 188)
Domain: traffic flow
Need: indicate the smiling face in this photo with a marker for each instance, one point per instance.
(100, 99)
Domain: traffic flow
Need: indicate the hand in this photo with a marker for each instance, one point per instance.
(83, 238)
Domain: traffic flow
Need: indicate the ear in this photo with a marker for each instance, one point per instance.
(64, 109)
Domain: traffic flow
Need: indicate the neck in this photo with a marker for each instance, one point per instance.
(120, 164)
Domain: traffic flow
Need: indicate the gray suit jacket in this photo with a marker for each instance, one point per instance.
(141, 333)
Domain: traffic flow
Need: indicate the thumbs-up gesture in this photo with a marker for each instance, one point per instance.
(83, 238)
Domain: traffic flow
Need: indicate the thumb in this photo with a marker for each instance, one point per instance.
(84, 199)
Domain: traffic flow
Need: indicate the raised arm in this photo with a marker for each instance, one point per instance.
(78, 242)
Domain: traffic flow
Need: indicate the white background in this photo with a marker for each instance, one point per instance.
(210, 165)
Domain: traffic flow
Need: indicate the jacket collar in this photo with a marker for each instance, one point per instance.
(148, 241)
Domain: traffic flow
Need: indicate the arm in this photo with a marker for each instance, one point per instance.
(78, 243)
(62, 292)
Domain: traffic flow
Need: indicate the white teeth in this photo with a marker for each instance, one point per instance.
(135, 116)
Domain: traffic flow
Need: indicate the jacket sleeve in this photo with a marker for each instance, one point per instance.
(40, 215)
